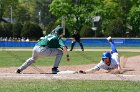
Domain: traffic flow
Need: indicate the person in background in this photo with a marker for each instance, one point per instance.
(76, 38)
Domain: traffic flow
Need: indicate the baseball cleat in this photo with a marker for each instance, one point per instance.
(55, 71)
(18, 71)
(109, 39)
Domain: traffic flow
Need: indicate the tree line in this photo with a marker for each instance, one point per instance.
(118, 18)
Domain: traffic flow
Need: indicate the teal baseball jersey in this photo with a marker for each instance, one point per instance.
(52, 41)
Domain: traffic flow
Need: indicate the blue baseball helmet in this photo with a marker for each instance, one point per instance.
(106, 55)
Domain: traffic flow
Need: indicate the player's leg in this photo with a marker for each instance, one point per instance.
(81, 45)
(72, 45)
(113, 47)
(55, 52)
(114, 52)
(28, 61)
(112, 44)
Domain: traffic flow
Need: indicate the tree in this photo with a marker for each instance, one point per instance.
(108, 10)
(17, 27)
(114, 10)
(5, 30)
(134, 21)
(50, 27)
(6, 6)
(125, 6)
(86, 31)
(115, 28)
(32, 31)
(43, 16)
(22, 14)
(76, 12)
(1, 30)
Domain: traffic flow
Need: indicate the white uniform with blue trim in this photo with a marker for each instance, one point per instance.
(115, 61)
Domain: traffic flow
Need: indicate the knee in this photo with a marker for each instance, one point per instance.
(33, 59)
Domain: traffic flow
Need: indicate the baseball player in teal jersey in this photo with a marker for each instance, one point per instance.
(48, 46)
(110, 60)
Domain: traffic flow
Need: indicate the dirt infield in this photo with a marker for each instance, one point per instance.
(131, 67)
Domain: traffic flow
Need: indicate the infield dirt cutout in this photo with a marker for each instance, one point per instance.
(131, 72)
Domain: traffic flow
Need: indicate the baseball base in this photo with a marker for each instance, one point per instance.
(67, 72)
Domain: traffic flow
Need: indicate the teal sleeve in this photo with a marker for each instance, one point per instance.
(61, 43)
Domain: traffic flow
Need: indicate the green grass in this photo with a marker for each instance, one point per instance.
(68, 86)
(16, 58)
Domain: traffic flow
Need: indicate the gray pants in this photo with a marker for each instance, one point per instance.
(39, 51)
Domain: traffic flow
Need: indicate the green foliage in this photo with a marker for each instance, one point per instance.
(31, 30)
(8, 30)
(67, 33)
(115, 28)
(5, 30)
(5, 6)
(134, 20)
(60, 7)
(1, 30)
(42, 6)
(77, 13)
(86, 31)
(22, 14)
(50, 27)
(17, 27)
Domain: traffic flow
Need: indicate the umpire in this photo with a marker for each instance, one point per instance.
(76, 38)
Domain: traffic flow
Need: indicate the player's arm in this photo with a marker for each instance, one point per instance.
(117, 59)
(92, 70)
(119, 67)
(64, 48)
(117, 70)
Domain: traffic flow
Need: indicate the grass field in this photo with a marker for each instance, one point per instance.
(68, 86)
(16, 58)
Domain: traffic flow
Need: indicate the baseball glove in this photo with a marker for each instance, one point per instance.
(83, 72)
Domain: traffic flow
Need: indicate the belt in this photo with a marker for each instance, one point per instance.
(43, 45)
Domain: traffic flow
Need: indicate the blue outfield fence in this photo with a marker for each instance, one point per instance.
(87, 42)
(17, 44)
(102, 42)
